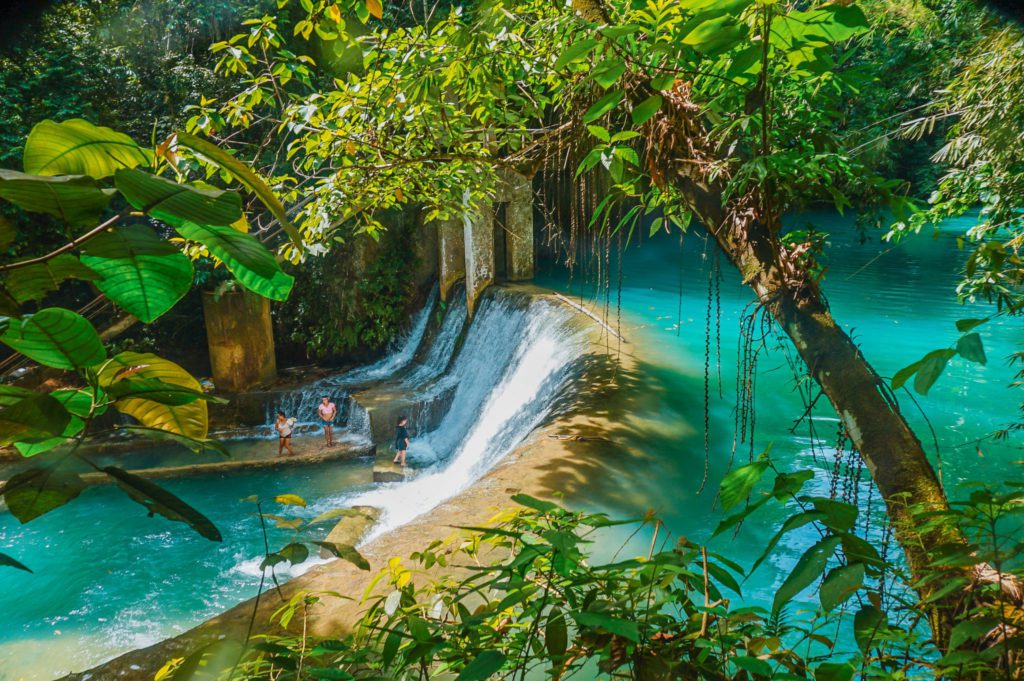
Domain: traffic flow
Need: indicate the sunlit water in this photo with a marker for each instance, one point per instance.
(897, 301)
(108, 579)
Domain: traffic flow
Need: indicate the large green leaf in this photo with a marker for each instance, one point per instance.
(808, 568)
(840, 584)
(190, 420)
(79, 403)
(249, 179)
(172, 201)
(613, 625)
(830, 23)
(246, 258)
(77, 147)
(867, 624)
(56, 337)
(484, 666)
(576, 52)
(603, 106)
(158, 500)
(12, 394)
(32, 493)
(35, 281)
(142, 273)
(713, 32)
(971, 348)
(75, 199)
(737, 484)
(32, 418)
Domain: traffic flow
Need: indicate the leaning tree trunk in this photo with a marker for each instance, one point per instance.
(872, 419)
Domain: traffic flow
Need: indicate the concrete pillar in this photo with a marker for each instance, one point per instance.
(241, 340)
(519, 228)
(479, 238)
(451, 254)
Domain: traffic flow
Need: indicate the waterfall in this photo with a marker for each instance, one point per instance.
(518, 353)
(301, 403)
(441, 351)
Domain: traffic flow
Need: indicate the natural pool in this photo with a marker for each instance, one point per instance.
(898, 302)
(108, 578)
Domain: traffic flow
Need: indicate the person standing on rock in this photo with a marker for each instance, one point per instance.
(327, 412)
(283, 426)
(401, 440)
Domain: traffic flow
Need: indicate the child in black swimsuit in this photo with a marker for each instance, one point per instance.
(401, 440)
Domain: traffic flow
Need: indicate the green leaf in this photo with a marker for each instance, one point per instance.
(483, 667)
(971, 348)
(57, 338)
(158, 500)
(74, 199)
(32, 493)
(643, 111)
(755, 666)
(7, 561)
(834, 671)
(12, 394)
(28, 449)
(613, 625)
(143, 274)
(345, 552)
(246, 258)
(867, 623)
(792, 523)
(35, 281)
(7, 232)
(808, 568)
(576, 52)
(738, 483)
(170, 201)
(556, 635)
(929, 372)
(603, 106)
(965, 325)
(831, 23)
(190, 420)
(77, 147)
(840, 584)
(839, 515)
(607, 73)
(246, 177)
(713, 33)
(212, 660)
(295, 553)
(971, 630)
(535, 503)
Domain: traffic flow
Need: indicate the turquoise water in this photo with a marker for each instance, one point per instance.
(898, 302)
(108, 578)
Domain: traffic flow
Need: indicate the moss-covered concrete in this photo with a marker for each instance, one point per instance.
(240, 338)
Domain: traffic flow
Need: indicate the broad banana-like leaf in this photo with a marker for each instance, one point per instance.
(142, 273)
(35, 281)
(77, 147)
(75, 199)
(171, 201)
(56, 337)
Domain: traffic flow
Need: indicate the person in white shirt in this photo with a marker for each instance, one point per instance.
(327, 412)
(283, 426)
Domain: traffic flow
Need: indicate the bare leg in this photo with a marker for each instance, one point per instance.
(288, 444)
(401, 455)
(330, 435)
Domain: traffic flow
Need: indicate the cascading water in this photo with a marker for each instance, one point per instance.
(441, 351)
(302, 403)
(518, 352)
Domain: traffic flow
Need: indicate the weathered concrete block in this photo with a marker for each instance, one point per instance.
(519, 246)
(479, 238)
(451, 254)
(240, 339)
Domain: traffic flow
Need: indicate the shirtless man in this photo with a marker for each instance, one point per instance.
(327, 412)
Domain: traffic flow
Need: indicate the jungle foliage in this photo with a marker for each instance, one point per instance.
(526, 597)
